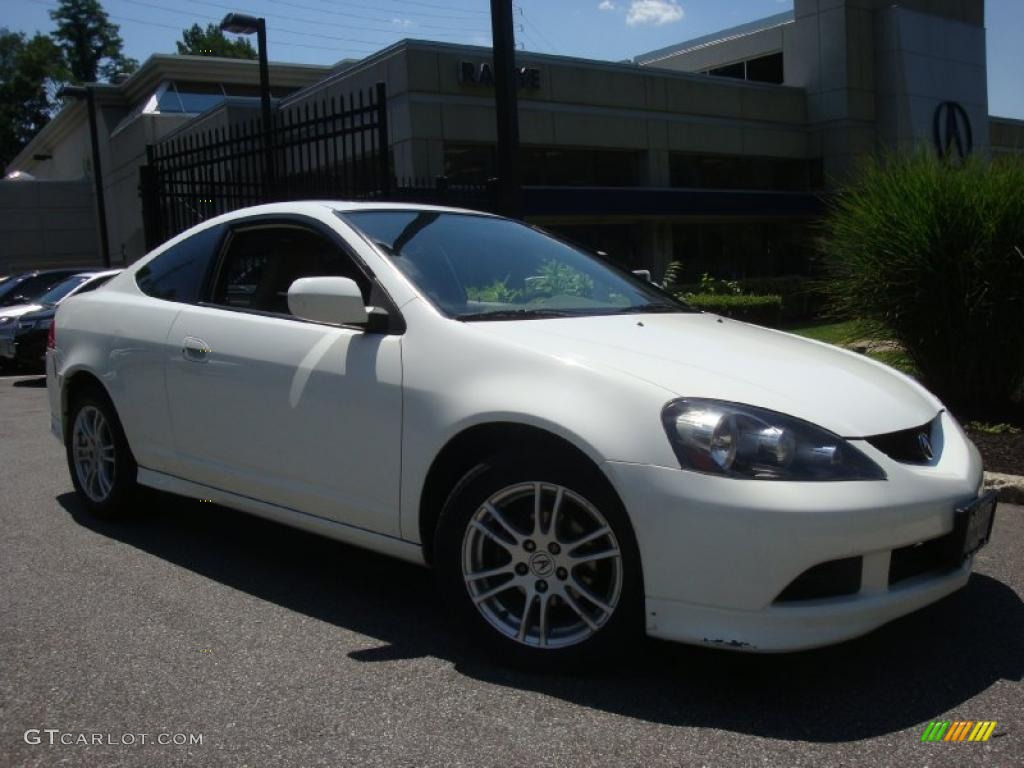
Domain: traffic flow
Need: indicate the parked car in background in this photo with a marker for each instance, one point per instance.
(25, 287)
(578, 455)
(23, 336)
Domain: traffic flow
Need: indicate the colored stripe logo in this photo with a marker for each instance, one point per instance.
(959, 730)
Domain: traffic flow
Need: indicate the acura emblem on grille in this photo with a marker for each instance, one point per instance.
(925, 445)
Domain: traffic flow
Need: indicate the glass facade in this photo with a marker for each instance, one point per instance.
(762, 69)
(691, 171)
(737, 249)
(196, 97)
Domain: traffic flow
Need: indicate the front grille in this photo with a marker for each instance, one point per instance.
(835, 578)
(925, 557)
(907, 445)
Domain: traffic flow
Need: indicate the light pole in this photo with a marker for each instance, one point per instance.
(506, 109)
(87, 93)
(244, 24)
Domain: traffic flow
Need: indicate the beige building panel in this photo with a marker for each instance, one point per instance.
(597, 87)
(599, 131)
(657, 134)
(703, 137)
(60, 242)
(781, 105)
(704, 96)
(656, 93)
(773, 143)
(421, 120)
(1005, 133)
(463, 122)
(536, 126)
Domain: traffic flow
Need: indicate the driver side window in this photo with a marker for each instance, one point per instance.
(261, 262)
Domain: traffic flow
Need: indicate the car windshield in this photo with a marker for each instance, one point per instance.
(475, 267)
(61, 290)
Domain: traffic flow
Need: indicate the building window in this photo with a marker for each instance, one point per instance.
(547, 166)
(735, 250)
(763, 69)
(739, 172)
(737, 71)
(196, 97)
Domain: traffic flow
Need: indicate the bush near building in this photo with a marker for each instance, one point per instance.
(762, 310)
(934, 252)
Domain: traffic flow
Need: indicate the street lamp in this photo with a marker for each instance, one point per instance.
(87, 93)
(244, 24)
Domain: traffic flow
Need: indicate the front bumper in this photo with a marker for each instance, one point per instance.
(717, 553)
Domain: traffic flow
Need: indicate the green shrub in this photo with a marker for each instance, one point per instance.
(803, 298)
(762, 310)
(935, 253)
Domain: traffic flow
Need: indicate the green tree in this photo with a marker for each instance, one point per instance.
(197, 41)
(91, 43)
(29, 71)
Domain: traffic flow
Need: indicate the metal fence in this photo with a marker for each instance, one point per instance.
(336, 148)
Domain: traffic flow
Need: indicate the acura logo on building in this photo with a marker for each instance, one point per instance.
(952, 128)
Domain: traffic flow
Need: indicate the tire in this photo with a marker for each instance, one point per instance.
(589, 582)
(102, 469)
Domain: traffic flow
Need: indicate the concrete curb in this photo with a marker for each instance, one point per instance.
(1010, 487)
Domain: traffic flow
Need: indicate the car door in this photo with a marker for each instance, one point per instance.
(287, 411)
(137, 328)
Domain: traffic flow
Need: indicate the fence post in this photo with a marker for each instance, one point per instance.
(383, 149)
(149, 192)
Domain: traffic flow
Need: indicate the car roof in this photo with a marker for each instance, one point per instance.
(310, 207)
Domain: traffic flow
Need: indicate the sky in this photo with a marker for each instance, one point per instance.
(325, 31)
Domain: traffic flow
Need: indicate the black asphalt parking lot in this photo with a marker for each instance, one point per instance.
(280, 648)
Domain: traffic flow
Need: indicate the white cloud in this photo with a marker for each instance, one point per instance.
(403, 22)
(606, 5)
(655, 12)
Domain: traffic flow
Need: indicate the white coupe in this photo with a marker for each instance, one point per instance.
(579, 456)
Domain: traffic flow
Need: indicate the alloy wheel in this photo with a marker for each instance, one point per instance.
(542, 565)
(92, 448)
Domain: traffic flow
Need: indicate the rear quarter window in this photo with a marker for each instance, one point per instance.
(178, 273)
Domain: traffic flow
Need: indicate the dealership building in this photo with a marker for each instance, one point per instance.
(715, 152)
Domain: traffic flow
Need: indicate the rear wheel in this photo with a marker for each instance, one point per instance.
(539, 562)
(102, 467)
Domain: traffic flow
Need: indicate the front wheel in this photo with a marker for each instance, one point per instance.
(102, 467)
(539, 561)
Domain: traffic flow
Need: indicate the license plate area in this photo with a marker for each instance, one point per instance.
(972, 524)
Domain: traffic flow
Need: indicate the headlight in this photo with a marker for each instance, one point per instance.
(742, 441)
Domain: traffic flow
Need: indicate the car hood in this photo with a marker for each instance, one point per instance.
(703, 355)
(16, 310)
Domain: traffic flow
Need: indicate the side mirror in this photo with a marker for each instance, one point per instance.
(334, 300)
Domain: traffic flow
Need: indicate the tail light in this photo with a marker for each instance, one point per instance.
(51, 336)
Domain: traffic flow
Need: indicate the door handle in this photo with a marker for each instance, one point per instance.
(195, 350)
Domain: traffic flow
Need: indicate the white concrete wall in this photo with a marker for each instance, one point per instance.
(47, 223)
(923, 60)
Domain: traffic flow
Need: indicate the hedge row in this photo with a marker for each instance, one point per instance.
(803, 298)
(762, 310)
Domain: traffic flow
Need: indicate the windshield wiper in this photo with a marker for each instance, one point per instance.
(515, 314)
